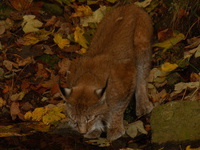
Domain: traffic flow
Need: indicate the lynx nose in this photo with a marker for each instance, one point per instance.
(82, 128)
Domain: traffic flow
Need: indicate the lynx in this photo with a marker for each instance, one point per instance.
(102, 83)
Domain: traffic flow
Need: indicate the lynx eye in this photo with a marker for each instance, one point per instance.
(90, 118)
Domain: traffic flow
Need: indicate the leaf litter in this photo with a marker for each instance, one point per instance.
(35, 53)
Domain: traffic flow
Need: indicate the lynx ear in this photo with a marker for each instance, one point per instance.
(66, 92)
(99, 92)
(101, 95)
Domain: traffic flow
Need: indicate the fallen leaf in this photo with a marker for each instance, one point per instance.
(79, 37)
(143, 4)
(95, 18)
(25, 61)
(168, 67)
(27, 107)
(2, 102)
(38, 113)
(179, 87)
(9, 64)
(195, 52)
(6, 89)
(193, 42)
(41, 71)
(155, 95)
(17, 96)
(61, 42)
(170, 42)
(101, 142)
(30, 24)
(64, 65)
(25, 84)
(164, 34)
(51, 21)
(48, 84)
(189, 148)
(1, 73)
(134, 128)
(81, 11)
(48, 114)
(157, 76)
(194, 77)
(82, 51)
(14, 110)
(111, 1)
(33, 38)
(21, 5)
(5, 24)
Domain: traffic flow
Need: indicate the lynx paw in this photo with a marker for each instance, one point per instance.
(115, 133)
(144, 109)
(93, 134)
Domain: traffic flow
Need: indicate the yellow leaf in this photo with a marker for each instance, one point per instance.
(170, 42)
(78, 36)
(53, 114)
(81, 51)
(143, 4)
(28, 115)
(60, 41)
(82, 11)
(17, 96)
(168, 67)
(2, 102)
(28, 40)
(38, 113)
(33, 38)
(96, 17)
(189, 148)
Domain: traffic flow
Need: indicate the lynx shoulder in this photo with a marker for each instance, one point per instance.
(102, 83)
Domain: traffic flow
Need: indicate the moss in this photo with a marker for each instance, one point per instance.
(176, 121)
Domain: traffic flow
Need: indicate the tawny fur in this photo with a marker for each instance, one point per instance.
(118, 62)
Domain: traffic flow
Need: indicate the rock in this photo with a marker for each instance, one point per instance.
(176, 122)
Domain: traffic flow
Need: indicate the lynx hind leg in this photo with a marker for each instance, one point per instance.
(143, 105)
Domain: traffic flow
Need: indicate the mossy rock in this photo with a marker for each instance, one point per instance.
(176, 121)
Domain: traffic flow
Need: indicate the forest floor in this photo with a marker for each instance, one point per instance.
(39, 38)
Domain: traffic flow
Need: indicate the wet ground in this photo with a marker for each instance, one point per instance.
(63, 141)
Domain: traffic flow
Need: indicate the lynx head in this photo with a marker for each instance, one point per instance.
(86, 105)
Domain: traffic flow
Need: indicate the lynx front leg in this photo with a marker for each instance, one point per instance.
(115, 123)
(115, 126)
(93, 134)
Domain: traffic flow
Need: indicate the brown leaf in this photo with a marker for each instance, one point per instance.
(25, 84)
(2, 102)
(9, 64)
(6, 89)
(164, 34)
(21, 5)
(54, 79)
(55, 90)
(71, 48)
(64, 65)
(17, 96)
(41, 71)
(51, 21)
(14, 110)
(27, 106)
